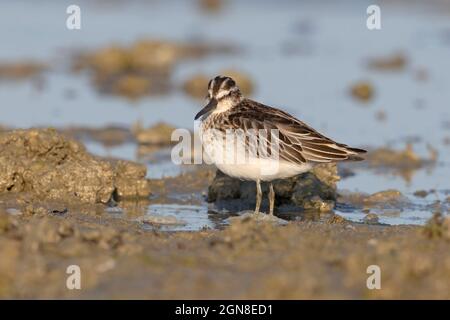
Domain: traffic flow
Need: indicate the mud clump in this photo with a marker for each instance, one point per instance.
(362, 91)
(395, 62)
(50, 166)
(142, 69)
(385, 200)
(132, 86)
(20, 70)
(401, 162)
(196, 86)
(391, 195)
(130, 181)
(108, 136)
(211, 6)
(152, 139)
(315, 190)
(157, 135)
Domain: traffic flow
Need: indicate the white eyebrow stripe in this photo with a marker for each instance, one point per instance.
(223, 83)
(211, 86)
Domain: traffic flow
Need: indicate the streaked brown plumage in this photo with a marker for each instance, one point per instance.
(299, 143)
(300, 146)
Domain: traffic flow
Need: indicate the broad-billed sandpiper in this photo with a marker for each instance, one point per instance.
(289, 144)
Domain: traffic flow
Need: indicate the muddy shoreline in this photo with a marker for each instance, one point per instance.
(123, 251)
(247, 260)
(104, 224)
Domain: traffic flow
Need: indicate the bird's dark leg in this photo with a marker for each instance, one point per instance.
(271, 199)
(258, 196)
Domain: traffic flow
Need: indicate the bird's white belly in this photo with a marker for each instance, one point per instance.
(264, 170)
(231, 161)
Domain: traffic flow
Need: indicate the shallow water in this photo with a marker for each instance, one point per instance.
(303, 61)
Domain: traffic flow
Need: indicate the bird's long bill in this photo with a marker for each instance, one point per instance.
(208, 108)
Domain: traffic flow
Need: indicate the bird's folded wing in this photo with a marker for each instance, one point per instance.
(295, 141)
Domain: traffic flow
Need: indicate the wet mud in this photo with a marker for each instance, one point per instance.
(43, 231)
(302, 259)
(95, 214)
(143, 68)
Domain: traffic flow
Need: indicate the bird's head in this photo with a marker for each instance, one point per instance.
(223, 94)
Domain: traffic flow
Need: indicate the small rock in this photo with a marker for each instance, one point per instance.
(421, 193)
(161, 220)
(384, 196)
(261, 217)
